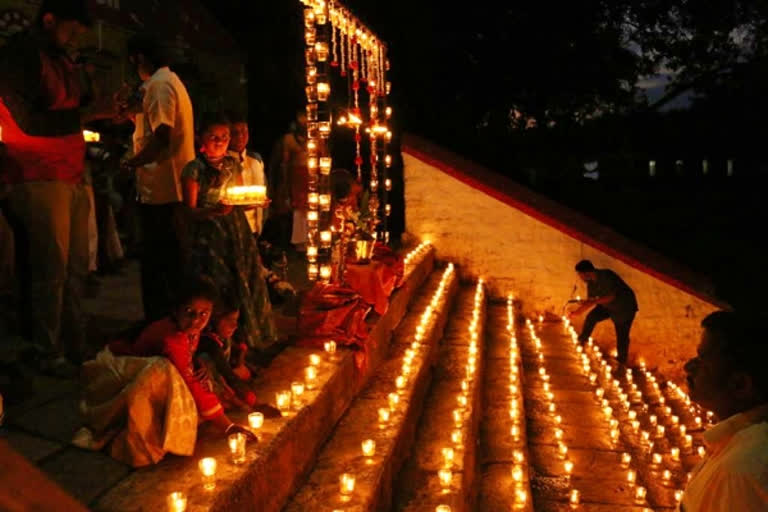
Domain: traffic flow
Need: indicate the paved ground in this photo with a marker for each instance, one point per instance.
(42, 424)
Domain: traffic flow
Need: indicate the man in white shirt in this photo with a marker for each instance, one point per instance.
(253, 165)
(728, 377)
(163, 144)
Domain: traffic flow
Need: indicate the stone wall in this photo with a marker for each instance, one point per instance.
(526, 245)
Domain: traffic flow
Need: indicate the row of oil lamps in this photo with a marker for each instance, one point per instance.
(286, 401)
(463, 399)
(368, 446)
(516, 416)
(630, 405)
(417, 253)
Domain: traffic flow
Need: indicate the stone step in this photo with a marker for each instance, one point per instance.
(288, 446)
(504, 481)
(416, 341)
(419, 486)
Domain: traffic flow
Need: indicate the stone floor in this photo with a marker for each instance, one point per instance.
(41, 426)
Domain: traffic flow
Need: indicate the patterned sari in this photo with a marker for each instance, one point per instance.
(224, 249)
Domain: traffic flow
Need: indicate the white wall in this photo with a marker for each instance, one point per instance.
(520, 254)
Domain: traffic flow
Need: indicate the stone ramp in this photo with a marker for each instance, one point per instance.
(415, 347)
(419, 486)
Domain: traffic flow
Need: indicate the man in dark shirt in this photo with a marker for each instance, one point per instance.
(42, 111)
(612, 298)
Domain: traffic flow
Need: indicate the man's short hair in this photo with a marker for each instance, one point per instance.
(149, 46)
(69, 10)
(741, 341)
(585, 266)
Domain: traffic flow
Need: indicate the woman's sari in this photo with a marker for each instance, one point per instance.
(140, 406)
(224, 249)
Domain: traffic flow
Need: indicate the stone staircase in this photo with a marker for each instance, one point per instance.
(463, 404)
(502, 412)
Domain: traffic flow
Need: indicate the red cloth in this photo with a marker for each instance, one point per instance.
(386, 255)
(30, 158)
(376, 281)
(330, 311)
(162, 338)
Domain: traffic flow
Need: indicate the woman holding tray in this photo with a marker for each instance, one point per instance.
(219, 242)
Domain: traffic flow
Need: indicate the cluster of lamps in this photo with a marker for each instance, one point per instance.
(286, 401)
(384, 414)
(516, 415)
(330, 30)
(463, 398)
(643, 418)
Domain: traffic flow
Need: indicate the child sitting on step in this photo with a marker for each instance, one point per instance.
(221, 360)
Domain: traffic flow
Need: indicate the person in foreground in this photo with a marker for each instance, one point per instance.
(143, 394)
(728, 377)
(609, 297)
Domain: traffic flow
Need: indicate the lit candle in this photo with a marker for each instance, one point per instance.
(679, 495)
(310, 376)
(631, 476)
(177, 502)
(626, 459)
(448, 456)
(312, 218)
(330, 347)
(456, 437)
(207, 467)
(517, 473)
(400, 382)
(325, 272)
(393, 400)
(518, 457)
(462, 400)
(325, 165)
(562, 450)
(346, 484)
(384, 415)
(575, 497)
(443, 508)
(297, 388)
(702, 451)
(369, 447)
(283, 400)
(311, 253)
(568, 467)
(321, 50)
(325, 238)
(674, 453)
(458, 417)
(666, 475)
(237, 447)
(323, 91)
(656, 459)
(256, 420)
(640, 493)
(445, 475)
(325, 202)
(314, 359)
